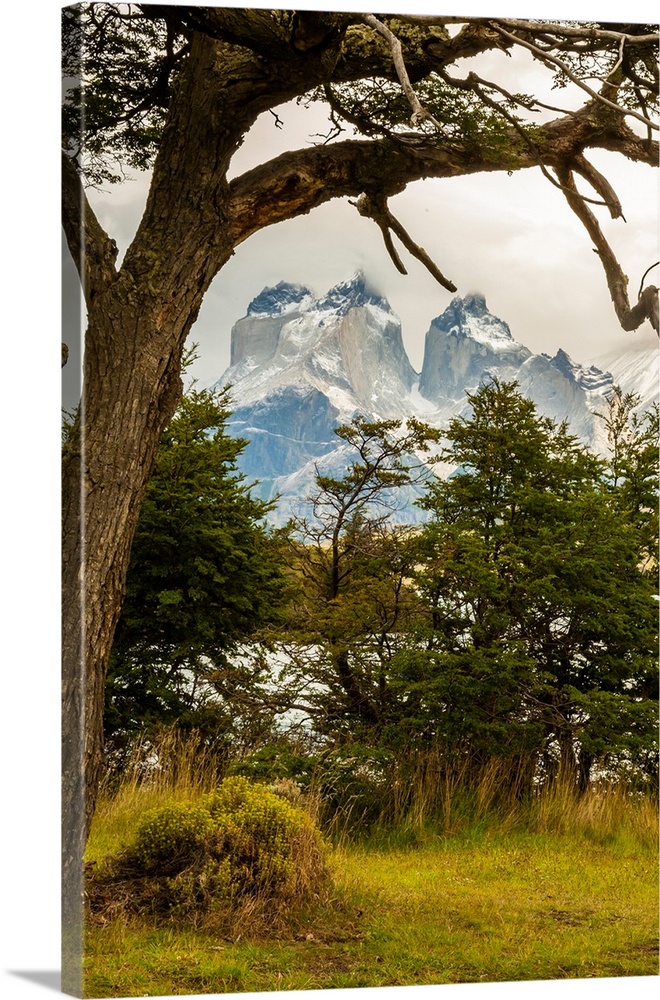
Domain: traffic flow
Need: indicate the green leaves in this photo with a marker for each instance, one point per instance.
(533, 579)
(204, 575)
(520, 619)
(353, 566)
(118, 67)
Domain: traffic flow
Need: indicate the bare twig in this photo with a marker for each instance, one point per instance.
(641, 284)
(586, 32)
(546, 58)
(619, 61)
(643, 106)
(362, 124)
(473, 83)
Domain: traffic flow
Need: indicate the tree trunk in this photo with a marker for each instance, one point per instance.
(585, 764)
(106, 467)
(567, 760)
(138, 322)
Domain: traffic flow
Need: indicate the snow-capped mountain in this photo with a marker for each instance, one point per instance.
(636, 370)
(301, 365)
(463, 343)
(347, 345)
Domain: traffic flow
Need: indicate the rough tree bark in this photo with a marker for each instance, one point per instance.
(139, 315)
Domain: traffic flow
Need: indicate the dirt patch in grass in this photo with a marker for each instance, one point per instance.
(648, 947)
(571, 919)
(328, 963)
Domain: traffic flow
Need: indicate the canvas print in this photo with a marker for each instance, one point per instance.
(360, 437)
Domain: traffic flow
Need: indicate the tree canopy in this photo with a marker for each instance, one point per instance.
(541, 612)
(204, 576)
(517, 624)
(396, 80)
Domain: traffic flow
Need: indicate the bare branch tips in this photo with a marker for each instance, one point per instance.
(377, 209)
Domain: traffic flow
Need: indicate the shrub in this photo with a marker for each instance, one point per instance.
(240, 842)
(350, 783)
(169, 839)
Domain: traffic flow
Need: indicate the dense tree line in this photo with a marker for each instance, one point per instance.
(518, 621)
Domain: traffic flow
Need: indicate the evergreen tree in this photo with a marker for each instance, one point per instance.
(204, 575)
(540, 618)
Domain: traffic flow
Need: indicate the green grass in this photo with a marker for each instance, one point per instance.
(511, 906)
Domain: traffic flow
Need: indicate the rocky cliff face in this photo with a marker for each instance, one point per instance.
(565, 390)
(463, 343)
(346, 345)
(301, 365)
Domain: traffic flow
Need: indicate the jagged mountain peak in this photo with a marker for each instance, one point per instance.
(462, 343)
(301, 364)
(279, 299)
(475, 303)
(589, 378)
(347, 344)
(470, 316)
(354, 292)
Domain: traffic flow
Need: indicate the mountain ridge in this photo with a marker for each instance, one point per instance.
(302, 364)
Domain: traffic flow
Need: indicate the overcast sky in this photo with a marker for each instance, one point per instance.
(512, 238)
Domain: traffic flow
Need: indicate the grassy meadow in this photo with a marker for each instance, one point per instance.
(560, 887)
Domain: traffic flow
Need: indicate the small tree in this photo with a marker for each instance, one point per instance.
(204, 574)
(632, 470)
(353, 565)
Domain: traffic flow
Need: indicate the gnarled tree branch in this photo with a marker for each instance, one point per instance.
(419, 113)
(295, 182)
(561, 29)
(376, 208)
(600, 184)
(588, 32)
(646, 307)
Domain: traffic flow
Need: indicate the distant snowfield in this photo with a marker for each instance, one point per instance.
(636, 369)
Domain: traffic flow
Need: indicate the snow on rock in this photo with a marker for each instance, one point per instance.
(461, 344)
(302, 365)
(348, 340)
